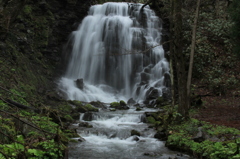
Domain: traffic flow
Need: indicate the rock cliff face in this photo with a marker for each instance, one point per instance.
(32, 36)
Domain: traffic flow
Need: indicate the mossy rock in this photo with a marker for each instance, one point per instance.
(119, 105)
(122, 103)
(151, 120)
(138, 109)
(75, 116)
(112, 109)
(75, 102)
(79, 107)
(135, 132)
(89, 107)
(114, 105)
(98, 104)
(65, 107)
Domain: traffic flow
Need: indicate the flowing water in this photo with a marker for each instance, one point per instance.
(116, 51)
(110, 138)
(116, 55)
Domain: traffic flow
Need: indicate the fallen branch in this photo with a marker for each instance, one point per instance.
(21, 106)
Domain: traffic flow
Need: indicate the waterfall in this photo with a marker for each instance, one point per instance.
(116, 55)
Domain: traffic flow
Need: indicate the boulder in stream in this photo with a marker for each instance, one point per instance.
(135, 132)
(85, 124)
(98, 104)
(131, 101)
(119, 105)
(88, 116)
(79, 83)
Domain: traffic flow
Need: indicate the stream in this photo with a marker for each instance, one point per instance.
(110, 137)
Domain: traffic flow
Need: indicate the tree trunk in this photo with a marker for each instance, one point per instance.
(192, 53)
(179, 58)
(173, 86)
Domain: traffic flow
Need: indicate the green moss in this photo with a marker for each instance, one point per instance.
(151, 120)
(75, 102)
(122, 103)
(138, 109)
(89, 107)
(114, 104)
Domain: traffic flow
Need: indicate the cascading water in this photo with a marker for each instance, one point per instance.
(116, 55)
(111, 137)
(116, 51)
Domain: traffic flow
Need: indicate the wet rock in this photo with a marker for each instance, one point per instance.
(145, 77)
(161, 135)
(88, 116)
(167, 80)
(131, 101)
(85, 124)
(143, 118)
(78, 106)
(112, 109)
(135, 132)
(138, 90)
(75, 116)
(166, 94)
(152, 154)
(81, 109)
(79, 83)
(81, 139)
(90, 107)
(135, 138)
(152, 93)
(121, 105)
(147, 70)
(137, 105)
(113, 135)
(138, 109)
(114, 105)
(98, 104)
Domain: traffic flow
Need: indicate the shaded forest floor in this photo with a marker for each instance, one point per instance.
(217, 108)
(220, 110)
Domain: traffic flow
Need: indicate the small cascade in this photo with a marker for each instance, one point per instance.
(116, 54)
(121, 134)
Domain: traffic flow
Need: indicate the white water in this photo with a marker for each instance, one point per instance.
(116, 51)
(110, 138)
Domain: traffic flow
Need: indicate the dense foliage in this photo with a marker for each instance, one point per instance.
(234, 11)
(217, 142)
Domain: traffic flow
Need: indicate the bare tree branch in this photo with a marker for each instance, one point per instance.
(192, 51)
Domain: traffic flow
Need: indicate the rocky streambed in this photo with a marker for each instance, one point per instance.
(118, 134)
